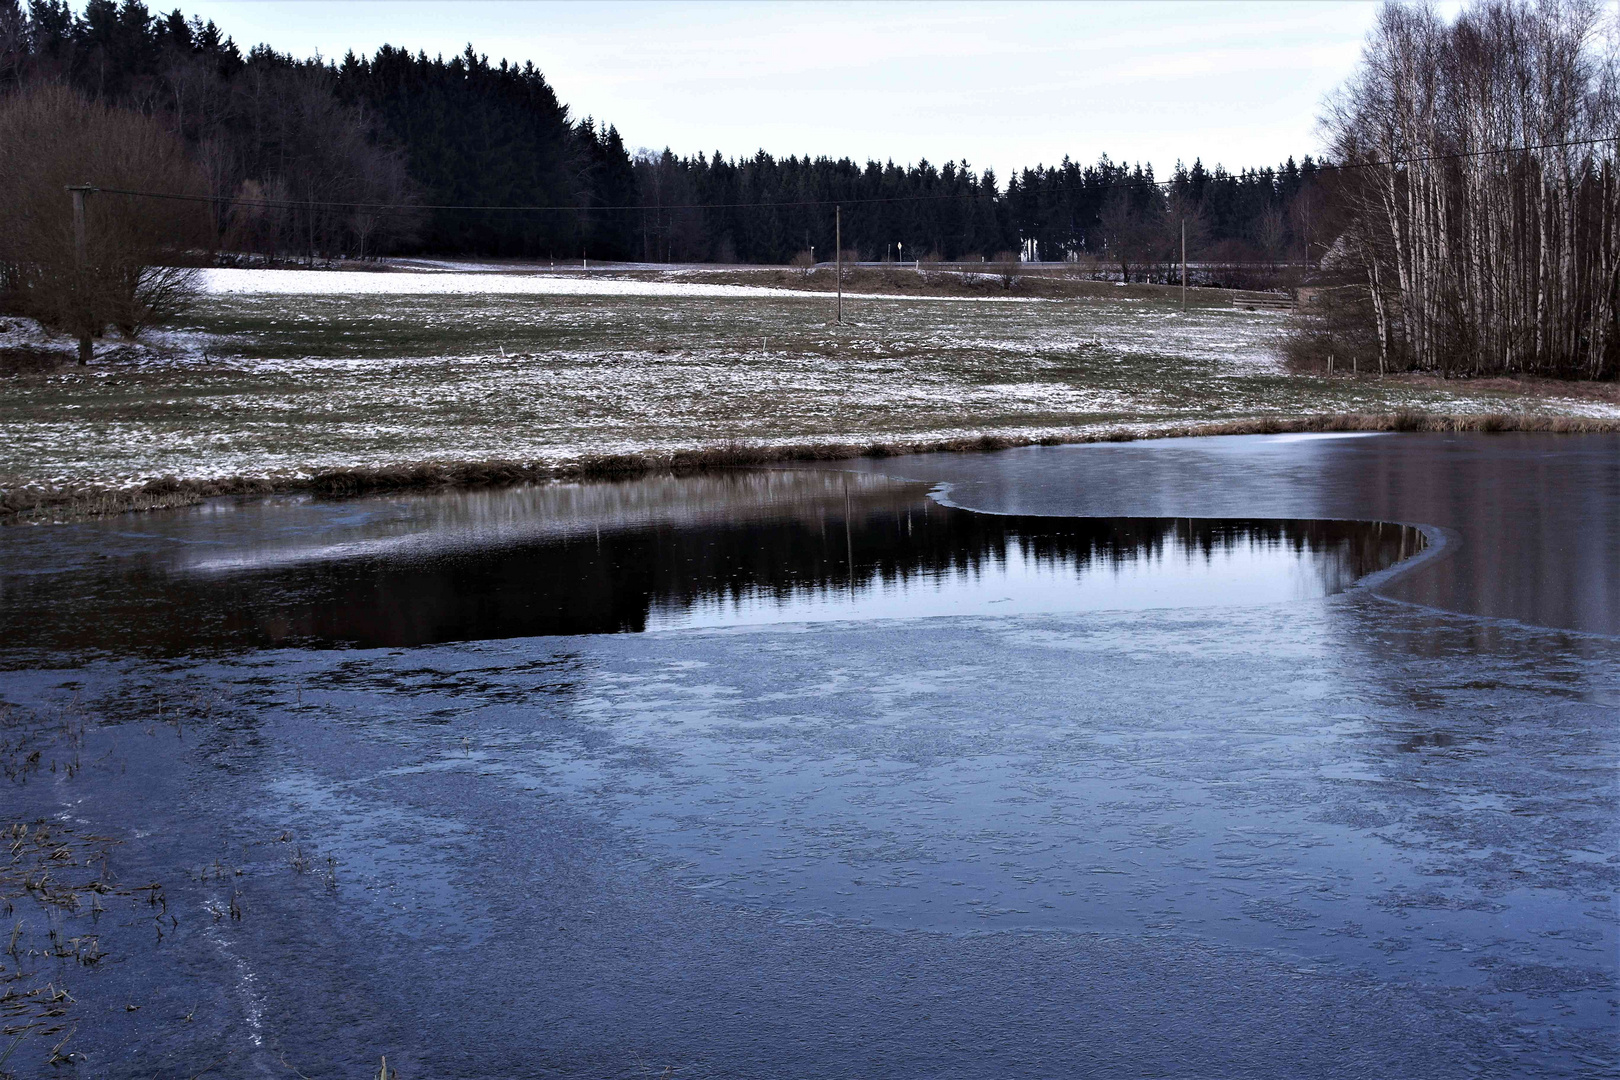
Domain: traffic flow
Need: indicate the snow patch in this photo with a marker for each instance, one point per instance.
(242, 281)
(20, 333)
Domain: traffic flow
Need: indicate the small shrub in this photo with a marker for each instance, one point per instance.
(1332, 326)
(1007, 268)
(931, 267)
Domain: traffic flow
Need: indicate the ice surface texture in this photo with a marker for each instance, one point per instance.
(1342, 836)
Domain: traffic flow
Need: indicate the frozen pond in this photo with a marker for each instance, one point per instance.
(1284, 828)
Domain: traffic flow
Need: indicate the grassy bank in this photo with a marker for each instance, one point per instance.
(351, 391)
(50, 503)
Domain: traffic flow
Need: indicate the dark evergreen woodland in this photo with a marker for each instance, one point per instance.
(412, 131)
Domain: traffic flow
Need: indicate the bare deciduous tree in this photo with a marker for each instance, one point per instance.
(1306, 216)
(1490, 241)
(1133, 234)
(1184, 220)
(1271, 232)
(137, 250)
(13, 39)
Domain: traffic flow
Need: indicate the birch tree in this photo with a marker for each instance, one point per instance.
(1481, 187)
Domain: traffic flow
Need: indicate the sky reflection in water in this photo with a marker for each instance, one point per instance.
(737, 549)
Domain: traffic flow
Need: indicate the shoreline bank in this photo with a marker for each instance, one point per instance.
(51, 504)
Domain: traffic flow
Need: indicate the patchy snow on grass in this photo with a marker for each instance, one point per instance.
(20, 333)
(159, 346)
(284, 383)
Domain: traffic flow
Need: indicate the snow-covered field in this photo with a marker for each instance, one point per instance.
(283, 373)
(486, 280)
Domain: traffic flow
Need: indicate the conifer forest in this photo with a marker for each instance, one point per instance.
(1464, 217)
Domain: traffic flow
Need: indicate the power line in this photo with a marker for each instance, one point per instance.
(281, 204)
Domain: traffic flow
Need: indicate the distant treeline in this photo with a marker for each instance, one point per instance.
(1469, 222)
(708, 208)
(271, 132)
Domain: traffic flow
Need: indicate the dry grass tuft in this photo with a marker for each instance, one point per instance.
(28, 360)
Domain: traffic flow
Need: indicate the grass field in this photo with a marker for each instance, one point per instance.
(269, 380)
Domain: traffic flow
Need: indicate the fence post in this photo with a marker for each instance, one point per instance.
(86, 349)
(838, 257)
(1183, 264)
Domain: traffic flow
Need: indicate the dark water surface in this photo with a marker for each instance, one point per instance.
(1288, 828)
(733, 550)
(1535, 515)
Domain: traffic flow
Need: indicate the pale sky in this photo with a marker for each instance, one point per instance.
(1001, 84)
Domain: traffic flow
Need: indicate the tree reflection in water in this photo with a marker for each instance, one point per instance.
(588, 559)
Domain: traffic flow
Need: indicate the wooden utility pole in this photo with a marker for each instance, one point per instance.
(1183, 264)
(838, 256)
(79, 259)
